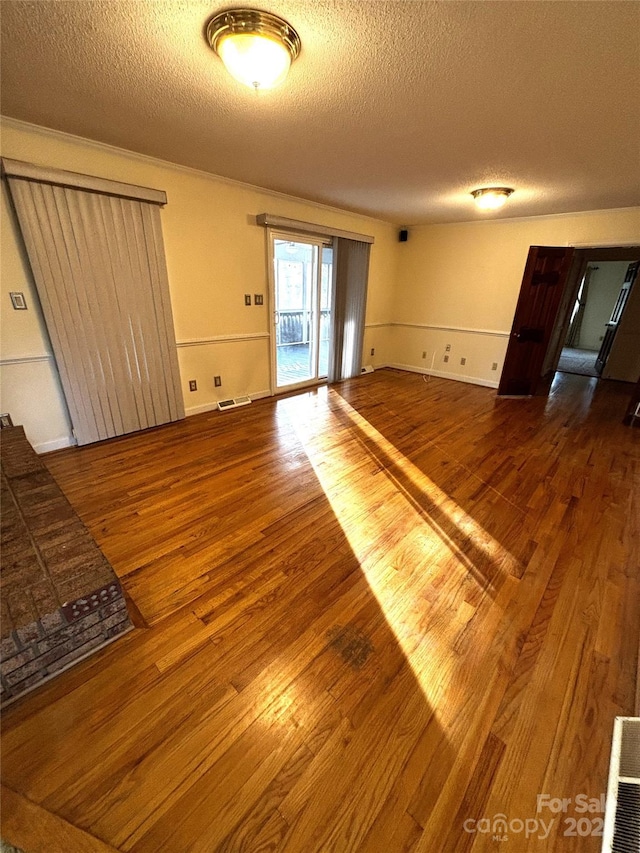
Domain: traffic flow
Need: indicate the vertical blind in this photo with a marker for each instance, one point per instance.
(97, 257)
(351, 271)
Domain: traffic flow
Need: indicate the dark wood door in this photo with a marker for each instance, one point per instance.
(544, 279)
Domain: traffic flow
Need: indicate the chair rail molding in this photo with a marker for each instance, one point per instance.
(495, 333)
(25, 359)
(223, 339)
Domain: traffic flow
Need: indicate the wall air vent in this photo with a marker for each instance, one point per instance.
(368, 368)
(223, 405)
(622, 816)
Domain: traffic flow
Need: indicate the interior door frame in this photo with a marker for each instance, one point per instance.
(292, 236)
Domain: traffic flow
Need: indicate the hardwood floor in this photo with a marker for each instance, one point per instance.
(379, 613)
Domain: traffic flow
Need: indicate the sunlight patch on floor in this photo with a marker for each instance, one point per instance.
(372, 487)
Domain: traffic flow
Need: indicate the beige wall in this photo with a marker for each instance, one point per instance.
(215, 254)
(453, 285)
(604, 289)
(458, 285)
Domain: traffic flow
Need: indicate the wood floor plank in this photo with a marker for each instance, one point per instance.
(376, 610)
(33, 829)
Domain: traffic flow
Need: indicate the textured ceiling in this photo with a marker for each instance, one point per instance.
(395, 109)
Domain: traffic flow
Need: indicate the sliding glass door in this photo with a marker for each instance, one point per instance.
(301, 310)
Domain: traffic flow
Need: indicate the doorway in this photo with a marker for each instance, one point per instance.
(301, 278)
(610, 345)
(546, 305)
(597, 310)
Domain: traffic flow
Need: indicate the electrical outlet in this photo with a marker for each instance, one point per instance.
(424, 353)
(494, 366)
(193, 385)
(247, 299)
(217, 381)
(373, 350)
(5, 421)
(447, 348)
(463, 361)
(258, 299)
(446, 358)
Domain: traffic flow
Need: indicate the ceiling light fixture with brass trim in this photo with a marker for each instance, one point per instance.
(491, 198)
(257, 48)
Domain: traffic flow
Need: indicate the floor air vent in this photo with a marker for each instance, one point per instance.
(223, 405)
(622, 817)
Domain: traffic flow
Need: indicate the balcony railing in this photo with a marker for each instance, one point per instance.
(294, 326)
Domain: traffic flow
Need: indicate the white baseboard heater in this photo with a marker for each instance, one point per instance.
(368, 368)
(223, 405)
(622, 816)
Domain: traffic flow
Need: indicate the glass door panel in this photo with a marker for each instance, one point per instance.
(301, 300)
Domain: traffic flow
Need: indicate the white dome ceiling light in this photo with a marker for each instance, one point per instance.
(491, 198)
(257, 48)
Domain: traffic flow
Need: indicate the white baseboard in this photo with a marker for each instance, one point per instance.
(212, 407)
(56, 444)
(260, 395)
(199, 410)
(457, 377)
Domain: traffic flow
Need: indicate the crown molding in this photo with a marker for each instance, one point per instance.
(19, 124)
(532, 218)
